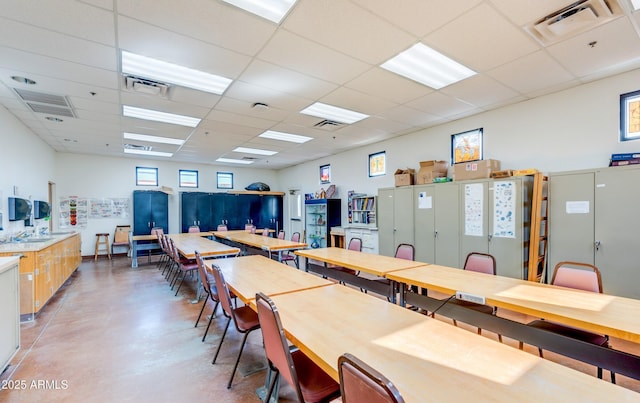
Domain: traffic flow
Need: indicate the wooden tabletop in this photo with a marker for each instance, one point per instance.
(259, 241)
(600, 313)
(428, 360)
(187, 244)
(247, 275)
(371, 263)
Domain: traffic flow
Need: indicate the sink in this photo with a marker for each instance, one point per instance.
(33, 240)
(61, 233)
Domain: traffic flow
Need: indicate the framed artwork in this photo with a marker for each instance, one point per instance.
(224, 180)
(377, 164)
(325, 173)
(466, 146)
(630, 116)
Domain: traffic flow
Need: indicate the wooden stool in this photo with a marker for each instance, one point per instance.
(102, 239)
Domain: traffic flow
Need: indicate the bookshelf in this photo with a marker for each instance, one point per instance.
(362, 209)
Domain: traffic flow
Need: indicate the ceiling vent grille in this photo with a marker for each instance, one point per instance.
(146, 86)
(137, 147)
(574, 19)
(329, 125)
(249, 158)
(50, 104)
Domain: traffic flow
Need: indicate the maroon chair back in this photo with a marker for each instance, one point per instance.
(281, 235)
(295, 237)
(194, 228)
(223, 292)
(480, 262)
(222, 227)
(581, 276)
(265, 232)
(202, 273)
(157, 231)
(405, 251)
(355, 244)
(361, 383)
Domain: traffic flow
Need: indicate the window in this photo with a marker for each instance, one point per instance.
(188, 178)
(225, 180)
(377, 164)
(325, 173)
(630, 116)
(146, 176)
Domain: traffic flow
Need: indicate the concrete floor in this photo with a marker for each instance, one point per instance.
(116, 334)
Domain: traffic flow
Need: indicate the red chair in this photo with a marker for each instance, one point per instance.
(184, 266)
(361, 383)
(281, 234)
(244, 318)
(265, 232)
(222, 227)
(580, 276)
(291, 257)
(354, 244)
(193, 229)
(309, 381)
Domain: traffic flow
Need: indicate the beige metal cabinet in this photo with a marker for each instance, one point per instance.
(593, 218)
(395, 218)
(437, 223)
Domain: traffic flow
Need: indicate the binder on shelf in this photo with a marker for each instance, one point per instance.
(620, 163)
(624, 156)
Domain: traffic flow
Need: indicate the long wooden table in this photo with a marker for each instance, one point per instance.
(428, 360)
(149, 242)
(599, 313)
(188, 243)
(265, 243)
(377, 265)
(248, 275)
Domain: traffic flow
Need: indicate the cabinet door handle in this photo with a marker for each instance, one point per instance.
(435, 233)
(597, 245)
(490, 237)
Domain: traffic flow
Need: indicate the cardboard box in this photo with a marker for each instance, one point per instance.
(404, 177)
(475, 170)
(430, 170)
(522, 172)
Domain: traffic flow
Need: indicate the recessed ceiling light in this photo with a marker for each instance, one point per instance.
(273, 10)
(153, 139)
(53, 119)
(71, 140)
(333, 113)
(146, 67)
(146, 152)
(164, 117)
(293, 138)
(234, 161)
(254, 151)
(427, 66)
(23, 80)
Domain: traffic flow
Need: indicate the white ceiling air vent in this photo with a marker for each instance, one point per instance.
(573, 19)
(249, 158)
(146, 86)
(329, 125)
(49, 104)
(137, 147)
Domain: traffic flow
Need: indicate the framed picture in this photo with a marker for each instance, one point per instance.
(225, 180)
(466, 146)
(630, 116)
(377, 164)
(325, 173)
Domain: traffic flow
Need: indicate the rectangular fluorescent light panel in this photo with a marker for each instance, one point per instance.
(254, 151)
(273, 10)
(152, 139)
(164, 117)
(427, 66)
(293, 138)
(333, 113)
(146, 67)
(635, 4)
(145, 152)
(234, 161)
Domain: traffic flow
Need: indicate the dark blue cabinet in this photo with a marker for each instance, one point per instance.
(150, 210)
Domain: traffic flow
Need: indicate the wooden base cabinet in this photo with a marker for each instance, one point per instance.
(9, 310)
(44, 271)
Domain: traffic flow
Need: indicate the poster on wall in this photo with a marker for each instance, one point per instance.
(109, 208)
(473, 209)
(504, 225)
(74, 212)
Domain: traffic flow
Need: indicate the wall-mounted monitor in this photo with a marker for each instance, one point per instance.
(41, 209)
(19, 209)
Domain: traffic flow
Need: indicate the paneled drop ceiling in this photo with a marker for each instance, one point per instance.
(327, 51)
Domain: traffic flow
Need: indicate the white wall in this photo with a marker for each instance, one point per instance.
(569, 130)
(27, 163)
(91, 176)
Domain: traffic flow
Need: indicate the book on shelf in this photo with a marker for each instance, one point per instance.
(624, 156)
(621, 163)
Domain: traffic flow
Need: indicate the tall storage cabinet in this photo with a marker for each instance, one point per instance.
(395, 218)
(196, 210)
(593, 218)
(320, 216)
(150, 209)
(495, 219)
(436, 214)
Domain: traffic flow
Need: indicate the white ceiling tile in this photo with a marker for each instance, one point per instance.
(251, 94)
(523, 12)
(384, 84)
(357, 101)
(481, 39)
(440, 105)
(479, 90)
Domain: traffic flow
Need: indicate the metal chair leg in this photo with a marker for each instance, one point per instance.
(215, 357)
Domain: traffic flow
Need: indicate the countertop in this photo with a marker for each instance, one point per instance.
(51, 239)
(7, 262)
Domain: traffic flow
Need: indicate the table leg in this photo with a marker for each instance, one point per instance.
(134, 255)
(262, 390)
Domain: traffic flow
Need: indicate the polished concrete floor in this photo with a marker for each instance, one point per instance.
(116, 334)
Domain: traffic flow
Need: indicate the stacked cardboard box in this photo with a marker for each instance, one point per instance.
(429, 170)
(475, 170)
(404, 177)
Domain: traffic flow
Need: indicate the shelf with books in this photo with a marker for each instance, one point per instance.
(362, 208)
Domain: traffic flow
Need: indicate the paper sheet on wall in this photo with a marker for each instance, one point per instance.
(504, 225)
(424, 201)
(473, 209)
(577, 207)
